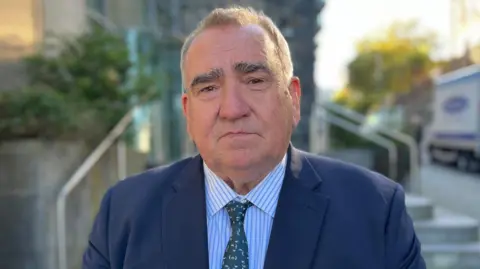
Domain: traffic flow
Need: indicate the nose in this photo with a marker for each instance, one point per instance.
(233, 105)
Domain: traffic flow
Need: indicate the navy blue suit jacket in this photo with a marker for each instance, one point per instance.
(330, 215)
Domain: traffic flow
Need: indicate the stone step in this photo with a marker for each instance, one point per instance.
(447, 229)
(452, 256)
(419, 208)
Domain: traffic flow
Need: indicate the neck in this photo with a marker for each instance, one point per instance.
(242, 181)
(243, 187)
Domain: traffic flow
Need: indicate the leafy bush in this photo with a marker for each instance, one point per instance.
(80, 93)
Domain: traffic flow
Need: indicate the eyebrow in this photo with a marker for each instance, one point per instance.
(246, 67)
(210, 76)
(241, 67)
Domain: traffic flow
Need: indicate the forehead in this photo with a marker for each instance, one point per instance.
(222, 47)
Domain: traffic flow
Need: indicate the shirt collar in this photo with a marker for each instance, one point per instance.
(264, 195)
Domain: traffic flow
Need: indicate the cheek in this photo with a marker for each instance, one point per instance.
(201, 120)
(275, 110)
(285, 111)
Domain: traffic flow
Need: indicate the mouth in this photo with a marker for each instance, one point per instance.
(236, 134)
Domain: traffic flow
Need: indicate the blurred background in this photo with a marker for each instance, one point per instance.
(90, 93)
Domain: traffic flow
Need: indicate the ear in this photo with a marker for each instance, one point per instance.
(185, 108)
(295, 91)
(185, 104)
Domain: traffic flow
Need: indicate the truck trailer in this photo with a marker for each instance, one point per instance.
(454, 134)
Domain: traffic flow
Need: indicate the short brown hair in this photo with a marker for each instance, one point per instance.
(237, 15)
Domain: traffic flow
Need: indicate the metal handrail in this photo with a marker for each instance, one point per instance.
(399, 136)
(102, 20)
(374, 138)
(80, 174)
(94, 156)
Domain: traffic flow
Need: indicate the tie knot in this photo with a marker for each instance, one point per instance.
(236, 211)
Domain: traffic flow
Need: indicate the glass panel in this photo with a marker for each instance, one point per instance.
(97, 5)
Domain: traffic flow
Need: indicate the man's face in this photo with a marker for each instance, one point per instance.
(239, 106)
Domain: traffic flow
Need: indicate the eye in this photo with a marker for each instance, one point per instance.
(255, 81)
(207, 89)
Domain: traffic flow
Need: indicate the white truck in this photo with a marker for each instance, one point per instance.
(454, 134)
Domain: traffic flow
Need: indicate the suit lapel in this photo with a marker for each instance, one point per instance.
(184, 220)
(298, 218)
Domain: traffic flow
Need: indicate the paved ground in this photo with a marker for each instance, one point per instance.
(452, 189)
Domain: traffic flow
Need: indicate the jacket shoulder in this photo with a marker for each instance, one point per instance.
(157, 179)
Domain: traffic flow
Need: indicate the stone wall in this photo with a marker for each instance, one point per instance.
(31, 176)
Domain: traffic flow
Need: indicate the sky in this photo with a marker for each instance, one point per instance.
(346, 21)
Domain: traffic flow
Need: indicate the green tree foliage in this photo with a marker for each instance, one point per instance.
(390, 62)
(387, 63)
(80, 93)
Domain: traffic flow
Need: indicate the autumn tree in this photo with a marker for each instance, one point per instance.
(391, 61)
(387, 63)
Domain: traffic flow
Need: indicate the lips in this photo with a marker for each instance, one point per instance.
(237, 133)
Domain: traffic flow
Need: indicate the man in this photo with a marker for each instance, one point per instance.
(250, 199)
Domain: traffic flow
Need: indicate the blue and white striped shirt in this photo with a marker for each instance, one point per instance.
(258, 219)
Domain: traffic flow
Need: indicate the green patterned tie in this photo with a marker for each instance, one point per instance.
(236, 254)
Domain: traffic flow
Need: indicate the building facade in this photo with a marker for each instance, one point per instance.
(149, 20)
(298, 21)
